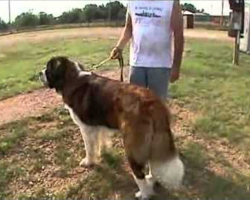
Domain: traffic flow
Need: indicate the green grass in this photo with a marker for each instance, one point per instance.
(21, 64)
(217, 91)
(49, 147)
(12, 135)
(8, 172)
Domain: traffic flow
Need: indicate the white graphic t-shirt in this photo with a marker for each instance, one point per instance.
(152, 33)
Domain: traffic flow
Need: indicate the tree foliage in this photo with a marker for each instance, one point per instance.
(113, 11)
(3, 25)
(189, 7)
(90, 13)
(26, 19)
(45, 19)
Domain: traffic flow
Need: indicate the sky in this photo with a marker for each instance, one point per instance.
(57, 7)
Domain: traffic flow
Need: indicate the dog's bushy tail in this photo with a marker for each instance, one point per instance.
(166, 166)
(169, 173)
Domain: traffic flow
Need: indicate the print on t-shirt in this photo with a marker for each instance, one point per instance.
(147, 12)
(149, 15)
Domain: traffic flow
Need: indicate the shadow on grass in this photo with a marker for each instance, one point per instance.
(109, 180)
(202, 183)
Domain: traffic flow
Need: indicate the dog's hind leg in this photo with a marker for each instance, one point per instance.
(137, 150)
(145, 185)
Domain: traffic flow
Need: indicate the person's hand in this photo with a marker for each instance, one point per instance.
(175, 75)
(116, 53)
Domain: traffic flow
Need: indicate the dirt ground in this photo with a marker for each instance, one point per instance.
(38, 101)
(40, 36)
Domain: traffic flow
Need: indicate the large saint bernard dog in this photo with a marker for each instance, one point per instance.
(142, 118)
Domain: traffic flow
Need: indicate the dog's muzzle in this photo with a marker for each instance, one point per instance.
(43, 78)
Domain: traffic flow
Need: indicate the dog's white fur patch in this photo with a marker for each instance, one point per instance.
(81, 72)
(58, 63)
(77, 66)
(170, 173)
(96, 138)
(89, 135)
(44, 77)
(84, 73)
(146, 188)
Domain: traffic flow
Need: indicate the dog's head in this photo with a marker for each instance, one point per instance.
(58, 71)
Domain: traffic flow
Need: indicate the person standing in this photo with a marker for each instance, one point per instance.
(153, 27)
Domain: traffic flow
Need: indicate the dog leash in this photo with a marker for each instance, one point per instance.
(121, 64)
(100, 64)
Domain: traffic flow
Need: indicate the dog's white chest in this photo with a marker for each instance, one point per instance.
(75, 118)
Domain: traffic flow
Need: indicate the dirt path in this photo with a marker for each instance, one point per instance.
(40, 36)
(25, 105)
(58, 34)
(36, 102)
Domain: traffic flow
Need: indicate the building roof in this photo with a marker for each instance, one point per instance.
(187, 13)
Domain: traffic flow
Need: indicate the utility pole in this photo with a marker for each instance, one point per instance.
(9, 13)
(109, 12)
(236, 56)
(10, 26)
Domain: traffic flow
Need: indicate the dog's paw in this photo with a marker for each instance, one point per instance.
(86, 163)
(150, 180)
(140, 196)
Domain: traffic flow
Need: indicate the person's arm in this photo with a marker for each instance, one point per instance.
(177, 27)
(126, 34)
(125, 37)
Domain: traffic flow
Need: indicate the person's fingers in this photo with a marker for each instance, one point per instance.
(174, 77)
(115, 54)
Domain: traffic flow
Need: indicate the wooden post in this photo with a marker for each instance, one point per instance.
(237, 49)
(235, 26)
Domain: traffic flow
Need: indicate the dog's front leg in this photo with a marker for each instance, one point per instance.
(90, 137)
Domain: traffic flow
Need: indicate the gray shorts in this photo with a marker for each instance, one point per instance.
(156, 79)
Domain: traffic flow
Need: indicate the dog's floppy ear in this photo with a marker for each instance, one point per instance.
(56, 73)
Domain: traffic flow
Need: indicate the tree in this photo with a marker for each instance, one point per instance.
(45, 19)
(103, 12)
(189, 7)
(122, 14)
(117, 10)
(91, 12)
(73, 16)
(26, 19)
(3, 25)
